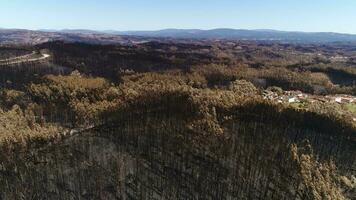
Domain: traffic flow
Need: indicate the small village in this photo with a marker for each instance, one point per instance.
(299, 98)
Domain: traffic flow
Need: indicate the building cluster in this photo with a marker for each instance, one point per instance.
(298, 96)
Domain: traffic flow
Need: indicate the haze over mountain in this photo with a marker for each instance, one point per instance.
(243, 34)
(112, 36)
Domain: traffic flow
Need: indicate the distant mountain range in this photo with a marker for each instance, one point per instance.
(242, 34)
(112, 36)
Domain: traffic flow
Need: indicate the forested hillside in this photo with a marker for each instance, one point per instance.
(179, 120)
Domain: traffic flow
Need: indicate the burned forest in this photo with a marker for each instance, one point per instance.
(178, 119)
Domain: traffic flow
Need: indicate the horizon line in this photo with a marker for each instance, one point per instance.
(153, 30)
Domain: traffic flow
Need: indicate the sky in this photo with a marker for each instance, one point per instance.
(122, 15)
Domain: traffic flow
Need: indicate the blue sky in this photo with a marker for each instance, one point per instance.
(297, 15)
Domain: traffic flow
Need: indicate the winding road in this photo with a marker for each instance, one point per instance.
(24, 59)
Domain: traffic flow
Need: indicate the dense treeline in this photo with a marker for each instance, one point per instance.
(75, 99)
(110, 60)
(288, 66)
(169, 139)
